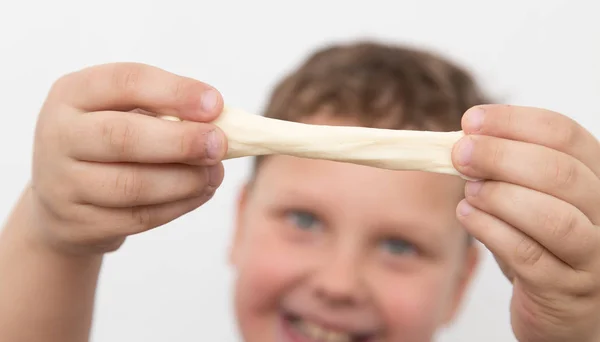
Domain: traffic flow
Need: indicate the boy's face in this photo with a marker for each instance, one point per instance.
(328, 251)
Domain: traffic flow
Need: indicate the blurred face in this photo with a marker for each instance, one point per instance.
(328, 251)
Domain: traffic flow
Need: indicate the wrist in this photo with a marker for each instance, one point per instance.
(53, 291)
(24, 231)
(46, 230)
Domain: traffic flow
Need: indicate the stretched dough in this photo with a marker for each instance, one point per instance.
(254, 135)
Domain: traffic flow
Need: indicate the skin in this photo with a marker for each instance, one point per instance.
(537, 211)
(103, 169)
(355, 247)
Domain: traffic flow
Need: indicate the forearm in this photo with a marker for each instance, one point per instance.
(44, 295)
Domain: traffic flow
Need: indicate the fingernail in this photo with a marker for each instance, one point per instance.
(474, 119)
(464, 208)
(465, 151)
(213, 145)
(209, 100)
(214, 178)
(472, 188)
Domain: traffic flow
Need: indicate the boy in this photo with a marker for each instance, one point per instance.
(323, 251)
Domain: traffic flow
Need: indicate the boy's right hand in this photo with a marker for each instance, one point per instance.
(105, 167)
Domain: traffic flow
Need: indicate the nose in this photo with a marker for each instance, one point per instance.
(338, 280)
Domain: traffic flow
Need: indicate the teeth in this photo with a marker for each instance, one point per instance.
(333, 336)
(318, 333)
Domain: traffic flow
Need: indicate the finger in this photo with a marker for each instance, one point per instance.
(509, 274)
(557, 225)
(532, 166)
(132, 220)
(131, 137)
(529, 261)
(536, 126)
(127, 86)
(144, 218)
(128, 185)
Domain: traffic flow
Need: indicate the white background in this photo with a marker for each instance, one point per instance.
(173, 284)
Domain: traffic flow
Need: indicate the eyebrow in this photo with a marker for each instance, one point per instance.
(294, 196)
(429, 233)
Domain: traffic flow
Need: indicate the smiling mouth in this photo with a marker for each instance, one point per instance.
(314, 332)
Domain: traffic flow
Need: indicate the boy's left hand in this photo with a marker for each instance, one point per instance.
(538, 212)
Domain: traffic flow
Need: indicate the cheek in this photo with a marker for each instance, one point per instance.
(414, 306)
(266, 270)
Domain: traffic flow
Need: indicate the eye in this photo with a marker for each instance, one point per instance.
(399, 247)
(303, 220)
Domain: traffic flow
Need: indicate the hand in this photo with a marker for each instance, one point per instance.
(537, 210)
(105, 167)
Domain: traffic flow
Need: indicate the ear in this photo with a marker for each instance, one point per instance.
(467, 273)
(238, 224)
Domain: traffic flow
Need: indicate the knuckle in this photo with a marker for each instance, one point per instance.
(142, 218)
(120, 136)
(192, 143)
(126, 77)
(528, 252)
(129, 185)
(560, 224)
(511, 120)
(497, 156)
(560, 173)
